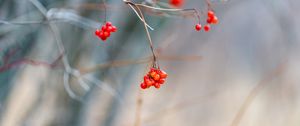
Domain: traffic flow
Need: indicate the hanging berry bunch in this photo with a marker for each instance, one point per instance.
(105, 31)
(155, 77)
(211, 19)
(176, 3)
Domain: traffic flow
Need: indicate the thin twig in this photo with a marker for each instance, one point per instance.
(140, 17)
(155, 63)
(167, 9)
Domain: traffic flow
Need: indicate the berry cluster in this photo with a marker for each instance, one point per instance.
(176, 3)
(105, 31)
(155, 77)
(211, 19)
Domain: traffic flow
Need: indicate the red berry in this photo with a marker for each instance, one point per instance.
(101, 34)
(156, 77)
(207, 27)
(152, 74)
(104, 28)
(176, 3)
(103, 38)
(108, 23)
(163, 74)
(161, 81)
(106, 34)
(157, 85)
(109, 28)
(148, 83)
(198, 27)
(152, 81)
(97, 32)
(209, 20)
(146, 78)
(143, 86)
(214, 20)
(114, 29)
(210, 13)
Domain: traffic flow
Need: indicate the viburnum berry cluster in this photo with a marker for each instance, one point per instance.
(105, 31)
(155, 77)
(211, 19)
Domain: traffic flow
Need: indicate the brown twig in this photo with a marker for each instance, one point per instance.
(172, 10)
(155, 63)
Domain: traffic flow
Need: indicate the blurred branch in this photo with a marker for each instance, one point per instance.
(193, 10)
(68, 70)
(256, 90)
(150, 10)
(55, 15)
(121, 63)
(138, 113)
(183, 105)
(7, 65)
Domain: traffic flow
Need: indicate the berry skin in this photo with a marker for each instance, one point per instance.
(161, 81)
(114, 29)
(106, 34)
(176, 3)
(209, 20)
(157, 85)
(210, 14)
(198, 27)
(207, 27)
(101, 35)
(103, 38)
(97, 32)
(163, 74)
(109, 29)
(104, 28)
(143, 86)
(156, 77)
(152, 74)
(214, 20)
(108, 23)
(146, 77)
(148, 83)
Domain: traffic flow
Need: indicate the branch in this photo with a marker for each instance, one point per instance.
(121, 63)
(23, 61)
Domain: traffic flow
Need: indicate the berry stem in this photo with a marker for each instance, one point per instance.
(166, 9)
(131, 6)
(155, 63)
(105, 10)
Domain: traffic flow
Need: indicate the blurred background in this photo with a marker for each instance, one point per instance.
(55, 72)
